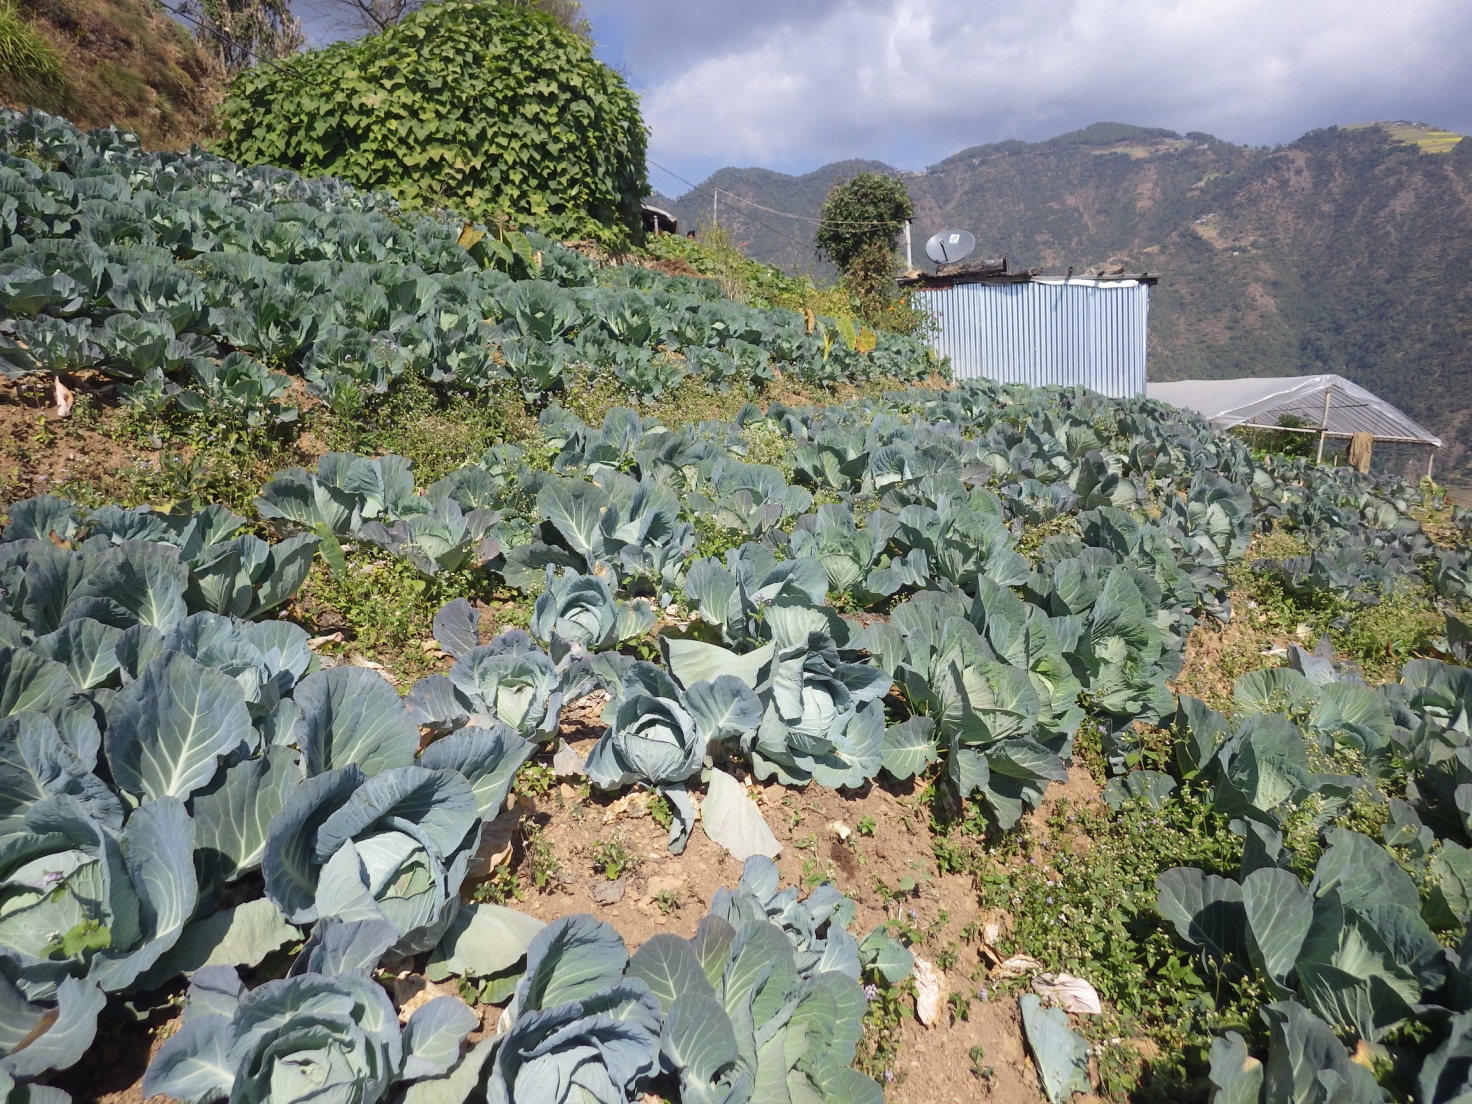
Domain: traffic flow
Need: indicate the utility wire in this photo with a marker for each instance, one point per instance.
(697, 188)
(275, 63)
(770, 210)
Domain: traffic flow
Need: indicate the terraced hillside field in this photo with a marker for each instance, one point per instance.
(439, 666)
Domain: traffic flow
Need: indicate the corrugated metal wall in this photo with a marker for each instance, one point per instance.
(1083, 332)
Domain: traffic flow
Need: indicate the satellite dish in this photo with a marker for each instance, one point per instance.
(950, 246)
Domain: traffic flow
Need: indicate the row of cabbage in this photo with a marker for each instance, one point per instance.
(1360, 940)
(203, 285)
(994, 657)
(183, 791)
(163, 745)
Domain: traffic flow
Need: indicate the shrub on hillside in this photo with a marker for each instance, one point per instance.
(489, 108)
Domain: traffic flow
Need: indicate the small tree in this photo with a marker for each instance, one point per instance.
(861, 218)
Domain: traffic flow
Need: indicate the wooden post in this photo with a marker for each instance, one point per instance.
(1324, 427)
(1430, 456)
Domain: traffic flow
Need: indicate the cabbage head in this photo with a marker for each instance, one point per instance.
(578, 614)
(580, 1032)
(325, 1033)
(83, 895)
(659, 734)
(393, 847)
(509, 681)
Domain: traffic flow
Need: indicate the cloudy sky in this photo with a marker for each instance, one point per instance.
(793, 84)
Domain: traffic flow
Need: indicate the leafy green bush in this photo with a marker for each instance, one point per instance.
(861, 217)
(489, 108)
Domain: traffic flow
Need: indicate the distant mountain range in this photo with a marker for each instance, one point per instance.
(1348, 251)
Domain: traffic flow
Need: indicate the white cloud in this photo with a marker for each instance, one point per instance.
(794, 85)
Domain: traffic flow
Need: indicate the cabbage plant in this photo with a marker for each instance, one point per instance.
(579, 1032)
(509, 681)
(981, 711)
(88, 896)
(577, 614)
(660, 734)
(392, 847)
(327, 1031)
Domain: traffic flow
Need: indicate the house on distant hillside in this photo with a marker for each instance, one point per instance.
(1023, 327)
(658, 221)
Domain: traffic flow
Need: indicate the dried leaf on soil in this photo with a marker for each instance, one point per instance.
(1072, 994)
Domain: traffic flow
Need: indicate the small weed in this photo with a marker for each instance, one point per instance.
(902, 890)
(660, 811)
(534, 780)
(667, 901)
(960, 1007)
(500, 888)
(612, 859)
(977, 1054)
(866, 826)
(879, 1049)
(541, 860)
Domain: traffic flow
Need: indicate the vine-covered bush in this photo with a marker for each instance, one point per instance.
(490, 108)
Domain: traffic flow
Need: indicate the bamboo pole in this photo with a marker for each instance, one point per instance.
(1324, 428)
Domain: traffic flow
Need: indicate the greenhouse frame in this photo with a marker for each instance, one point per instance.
(1329, 406)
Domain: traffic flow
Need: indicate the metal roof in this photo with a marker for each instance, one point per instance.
(1043, 332)
(998, 272)
(1263, 400)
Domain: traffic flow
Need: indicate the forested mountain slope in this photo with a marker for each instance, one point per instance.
(1347, 251)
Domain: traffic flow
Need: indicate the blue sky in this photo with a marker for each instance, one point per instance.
(794, 84)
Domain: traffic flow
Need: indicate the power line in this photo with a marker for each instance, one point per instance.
(275, 63)
(702, 191)
(772, 210)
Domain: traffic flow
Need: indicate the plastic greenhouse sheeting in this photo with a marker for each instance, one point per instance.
(1259, 401)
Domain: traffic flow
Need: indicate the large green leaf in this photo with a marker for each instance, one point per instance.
(732, 820)
(1205, 910)
(1279, 911)
(350, 715)
(909, 747)
(483, 941)
(700, 1043)
(669, 967)
(233, 814)
(158, 846)
(240, 936)
(167, 730)
(29, 681)
(1059, 1054)
(1236, 1076)
(1308, 1065)
(570, 959)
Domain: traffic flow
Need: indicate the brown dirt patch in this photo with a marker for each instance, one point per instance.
(40, 452)
(936, 1065)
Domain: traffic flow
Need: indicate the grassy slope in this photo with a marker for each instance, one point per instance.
(1345, 251)
(128, 64)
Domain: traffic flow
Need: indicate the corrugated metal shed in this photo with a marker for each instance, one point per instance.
(1087, 332)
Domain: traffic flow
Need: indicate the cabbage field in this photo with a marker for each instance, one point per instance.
(962, 595)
